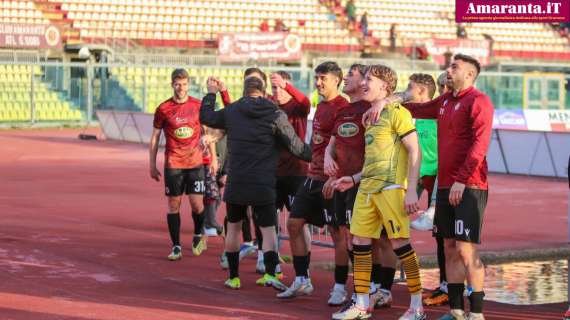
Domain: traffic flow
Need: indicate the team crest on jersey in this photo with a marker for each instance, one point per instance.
(318, 139)
(369, 139)
(183, 132)
(348, 129)
(457, 106)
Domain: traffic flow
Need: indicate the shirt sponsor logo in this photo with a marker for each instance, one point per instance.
(317, 138)
(181, 120)
(348, 129)
(369, 139)
(184, 132)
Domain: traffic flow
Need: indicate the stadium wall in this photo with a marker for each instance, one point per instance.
(542, 153)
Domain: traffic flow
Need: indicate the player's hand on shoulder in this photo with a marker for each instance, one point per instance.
(373, 114)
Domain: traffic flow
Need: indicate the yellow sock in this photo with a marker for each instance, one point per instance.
(409, 260)
(362, 268)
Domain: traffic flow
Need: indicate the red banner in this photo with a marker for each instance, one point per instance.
(259, 46)
(29, 36)
(478, 49)
(542, 11)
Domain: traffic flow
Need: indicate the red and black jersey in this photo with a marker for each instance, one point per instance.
(297, 110)
(464, 127)
(323, 125)
(181, 125)
(226, 100)
(349, 138)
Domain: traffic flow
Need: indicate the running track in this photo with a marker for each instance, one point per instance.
(83, 236)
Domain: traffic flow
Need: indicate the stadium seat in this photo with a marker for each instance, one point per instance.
(417, 19)
(15, 100)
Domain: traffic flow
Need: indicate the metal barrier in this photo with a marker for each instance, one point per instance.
(140, 83)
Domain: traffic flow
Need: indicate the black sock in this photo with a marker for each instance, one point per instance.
(198, 222)
(476, 301)
(441, 259)
(340, 274)
(387, 277)
(270, 259)
(299, 266)
(233, 263)
(376, 275)
(258, 238)
(173, 220)
(456, 295)
(246, 230)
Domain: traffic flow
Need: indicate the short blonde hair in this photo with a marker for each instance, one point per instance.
(385, 74)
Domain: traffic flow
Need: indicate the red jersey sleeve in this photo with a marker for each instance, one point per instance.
(426, 110)
(158, 121)
(303, 103)
(482, 114)
(226, 98)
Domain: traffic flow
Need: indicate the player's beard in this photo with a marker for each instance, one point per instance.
(352, 89)
(180, 95)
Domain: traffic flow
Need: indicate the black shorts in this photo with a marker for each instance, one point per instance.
(310, 205)
(263, 216)
(464, 222)
(183, 181)
(343, 204)
(286, 188)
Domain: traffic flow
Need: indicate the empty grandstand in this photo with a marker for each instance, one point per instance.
(86, 55)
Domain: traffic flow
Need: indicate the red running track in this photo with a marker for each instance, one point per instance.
(83, 236)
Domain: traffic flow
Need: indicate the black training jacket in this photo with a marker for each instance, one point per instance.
(256, 129)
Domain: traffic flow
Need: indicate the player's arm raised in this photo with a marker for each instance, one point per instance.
(226, 99)
(303, 103)
(208, 115)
